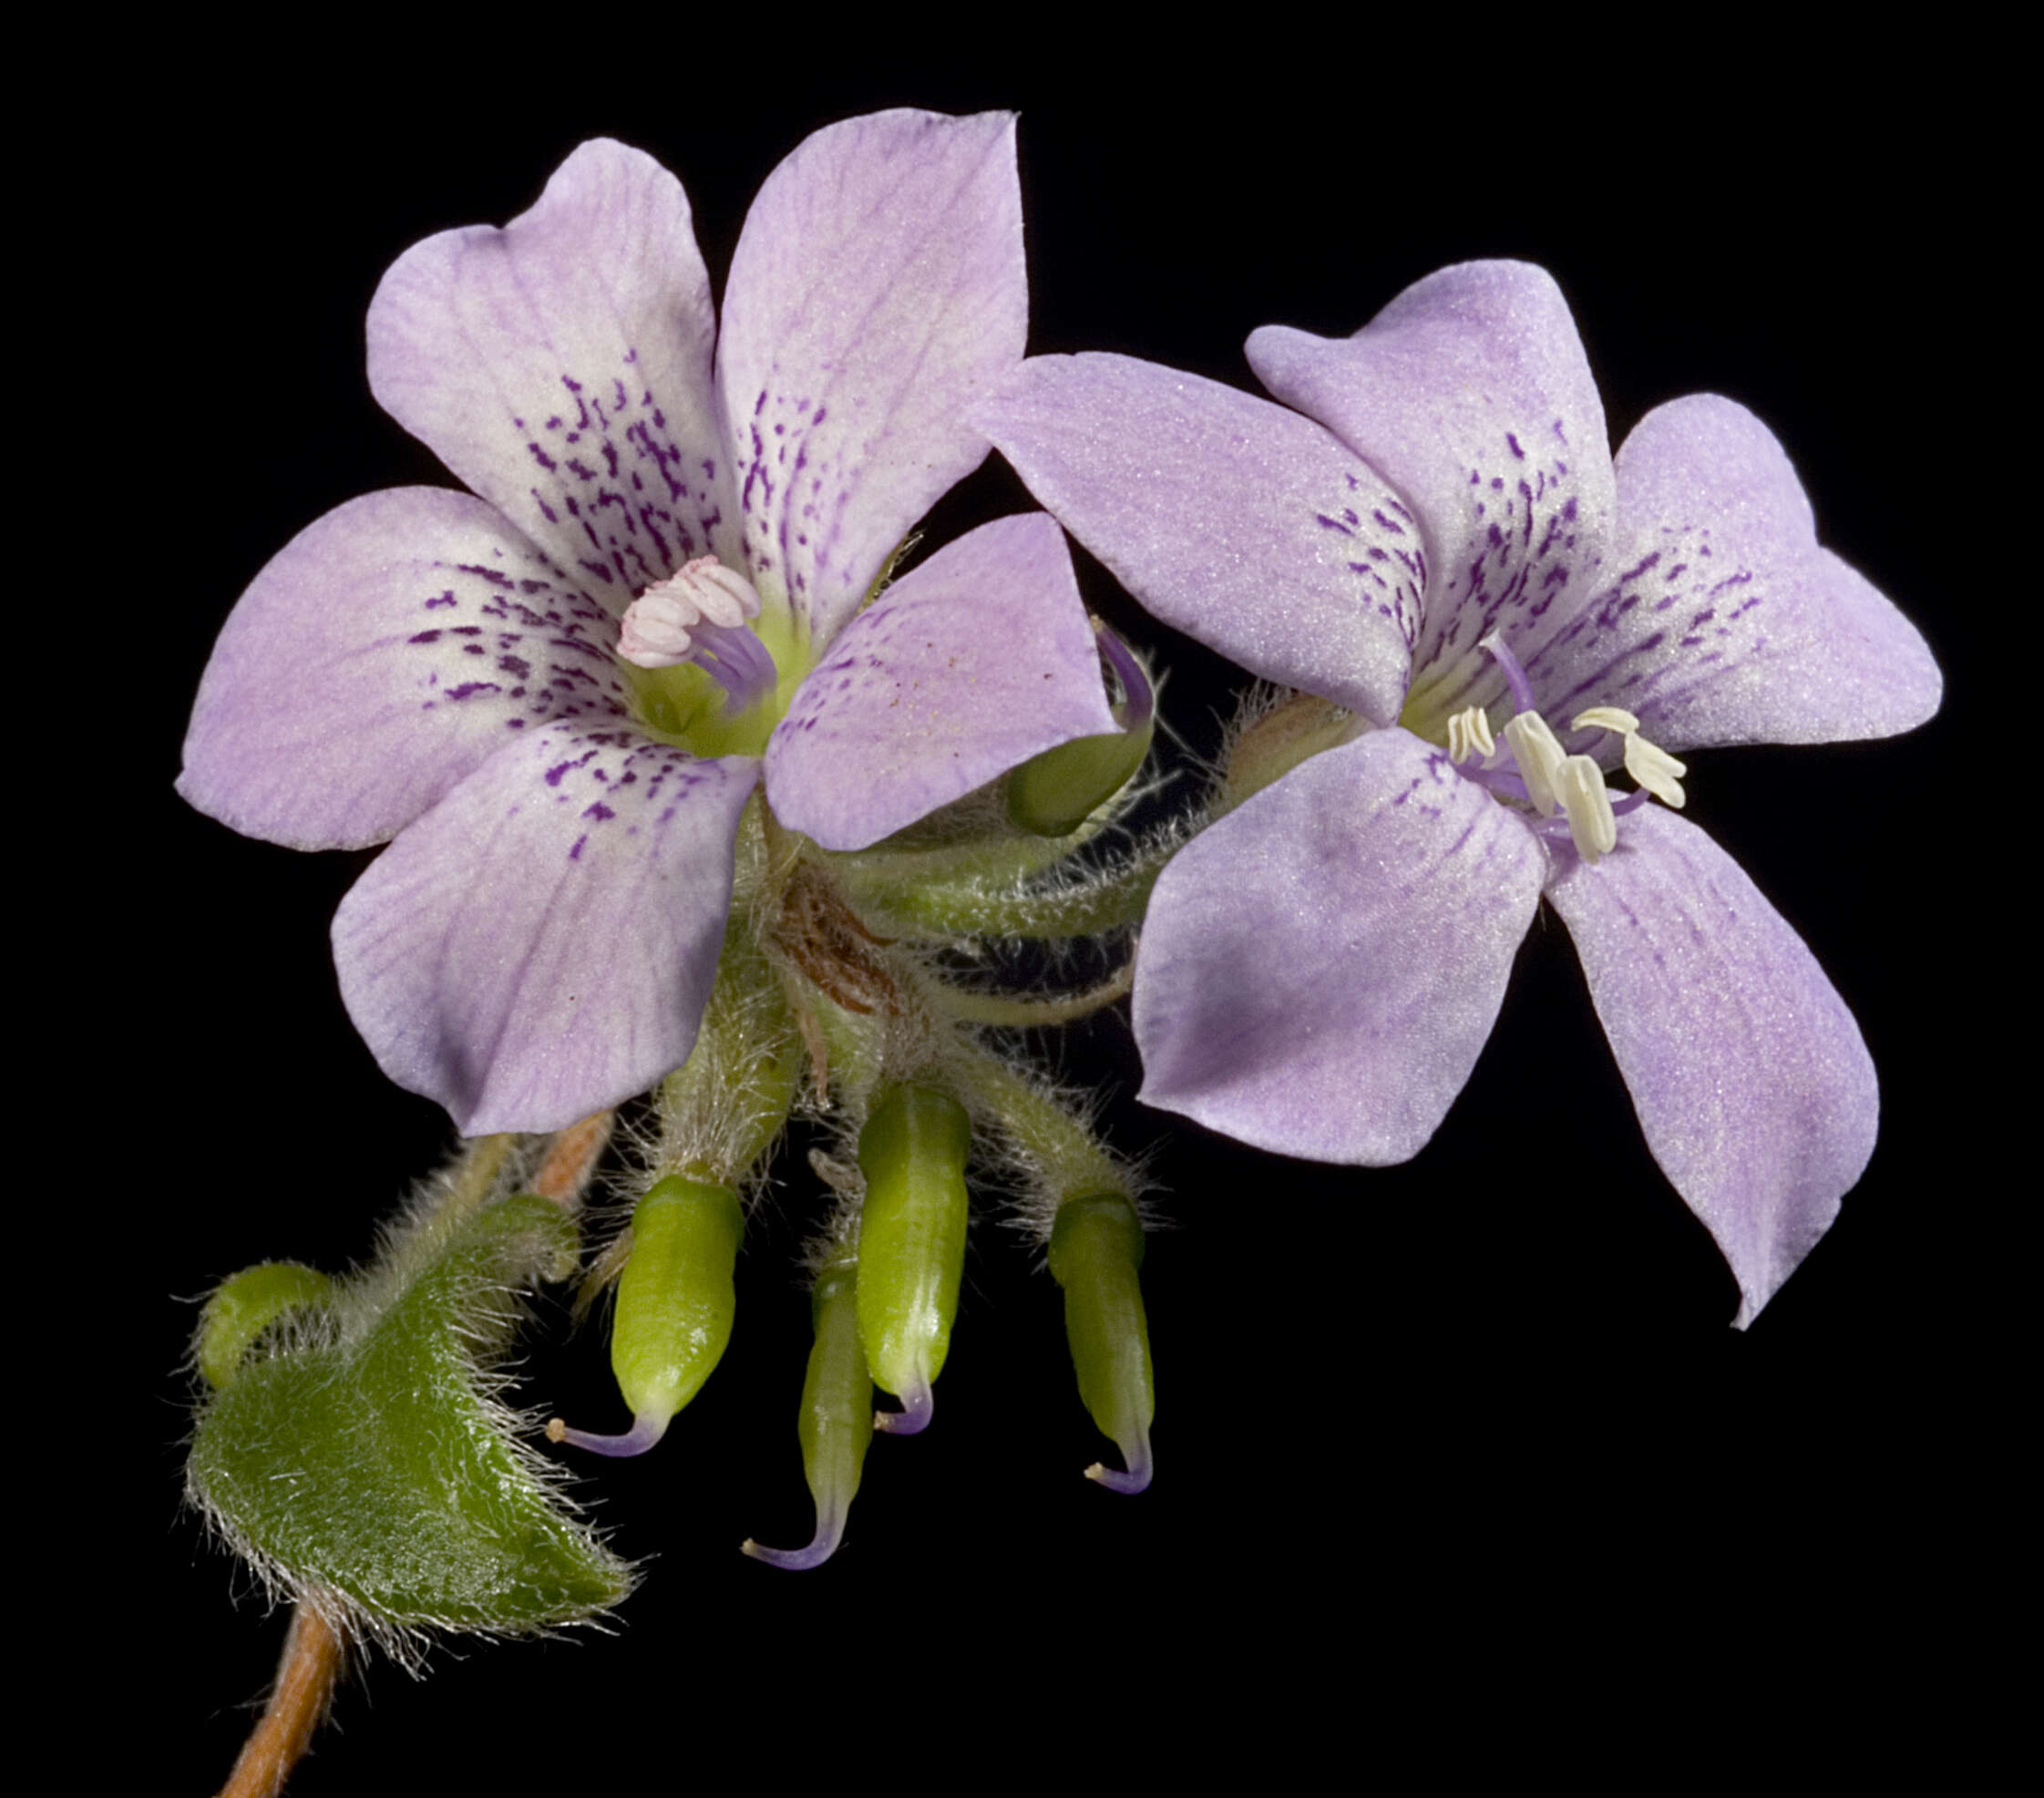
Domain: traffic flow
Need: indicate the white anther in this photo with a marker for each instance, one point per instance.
(1605, 718)
(1654, 769)
(654, 633)
(1539, 757)
(1590, 821)
(1469, 734)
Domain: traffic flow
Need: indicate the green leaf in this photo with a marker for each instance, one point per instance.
(371, 1457)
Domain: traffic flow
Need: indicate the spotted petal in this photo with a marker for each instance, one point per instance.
(560, 366)
(1752, 1084)
(877, 291)
(1727, 622)
(539, 945)
(1471, 394)
(1321, 967)
(1244, 524)
(385, 652)
(966, 667)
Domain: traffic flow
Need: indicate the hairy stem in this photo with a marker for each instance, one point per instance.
(1061, 1146)
(999, 906)
(473, 1179)
(305, 1680)
(998, 1009)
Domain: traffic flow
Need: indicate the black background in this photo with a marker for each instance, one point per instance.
(1424, 1434)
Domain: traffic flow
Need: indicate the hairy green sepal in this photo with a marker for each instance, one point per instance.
(1053, 794)
(371, 1458)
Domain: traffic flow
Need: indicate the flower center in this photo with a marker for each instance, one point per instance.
(1532, 770)
(706, 665)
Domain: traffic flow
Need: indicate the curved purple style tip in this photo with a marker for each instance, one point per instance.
(1139, 695)
(1142, 1466)
(646, 1429)
(918, 1405)
(830, 1532)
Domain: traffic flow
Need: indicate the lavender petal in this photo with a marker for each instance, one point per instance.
(560, 367)
(382, 655)
(963, 669)
(539, 945)
(876, 291)
(1321, 969)
(1248, 527)
(1726, 622)
(1751, 1083)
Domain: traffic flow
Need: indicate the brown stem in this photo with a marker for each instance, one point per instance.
(571, 1159)
(305, 1679)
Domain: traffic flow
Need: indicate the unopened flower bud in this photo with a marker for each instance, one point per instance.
(676, 1299)
(837, 1422)
(911, 1244)
(1053, 794)
(1096, 1248)
(244, 1306)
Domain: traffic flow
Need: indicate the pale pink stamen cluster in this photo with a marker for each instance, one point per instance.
(656, 627)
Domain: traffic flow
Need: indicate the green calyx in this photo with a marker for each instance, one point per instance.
(243, 1307)
(677, 1295)
(370, 1457)
(911, 1243)
(1053, 794)
(1096, 1248)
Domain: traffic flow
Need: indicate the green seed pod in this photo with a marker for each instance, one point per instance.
(676, 1299)
(242, 1307)
(1053, 794)
(837, 1422)
(1096, 1247)
(911, 1244)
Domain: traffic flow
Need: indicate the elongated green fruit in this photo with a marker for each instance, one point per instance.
(911, 1244)
(675, 1301)
(1053, 794)
(837, 1422)
(1096, 1248)
(242, 1307)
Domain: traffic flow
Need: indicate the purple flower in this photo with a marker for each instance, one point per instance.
(440, 668)
(1441, 540)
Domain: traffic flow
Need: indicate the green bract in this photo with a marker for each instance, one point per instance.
(372, 1460)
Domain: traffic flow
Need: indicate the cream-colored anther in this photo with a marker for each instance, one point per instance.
(1654, 769)
(1580, 783)
(1605, 718)
(1469, 736)
(1539, 757)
